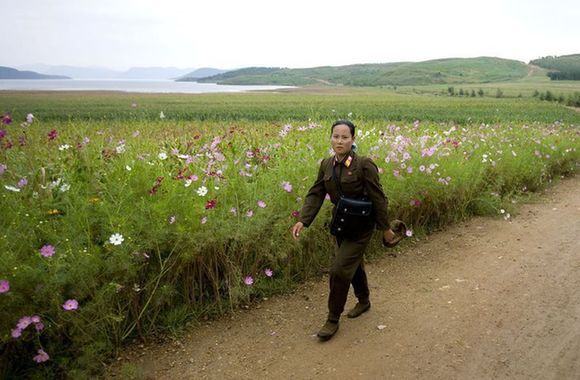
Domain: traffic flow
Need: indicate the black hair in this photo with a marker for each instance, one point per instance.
(348, 123)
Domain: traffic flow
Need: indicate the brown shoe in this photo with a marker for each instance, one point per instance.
(328, 330)
(358, 309)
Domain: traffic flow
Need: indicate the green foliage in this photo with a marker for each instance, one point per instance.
(567, 66)
(452, 70)
(186, 196)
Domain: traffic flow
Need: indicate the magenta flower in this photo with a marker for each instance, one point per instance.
(248, 280)
(295, 214)
(261, 204)
(2, 133)
(210, 204)
(268, 272)
(287, 186)
(41, 357)
(22, 183)
(52, 135)
(39, 326)
(4, 286)
(7, 118)
(71, 304)
(47, 250)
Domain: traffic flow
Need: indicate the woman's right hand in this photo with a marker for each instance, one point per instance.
(296, 230)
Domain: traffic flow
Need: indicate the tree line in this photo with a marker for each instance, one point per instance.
(565, 67)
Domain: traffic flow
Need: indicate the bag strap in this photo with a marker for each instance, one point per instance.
(336, 180)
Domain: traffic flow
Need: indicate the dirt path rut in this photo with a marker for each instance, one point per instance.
(485, 299)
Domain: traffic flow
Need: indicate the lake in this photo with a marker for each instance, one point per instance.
(125, 85)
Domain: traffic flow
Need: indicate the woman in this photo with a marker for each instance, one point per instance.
(357, 177)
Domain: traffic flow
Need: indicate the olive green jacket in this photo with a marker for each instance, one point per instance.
(359, 177)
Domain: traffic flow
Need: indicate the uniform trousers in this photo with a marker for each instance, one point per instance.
(348, 268)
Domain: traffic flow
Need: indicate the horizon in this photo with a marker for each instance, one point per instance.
(227, 34)
(19, 67)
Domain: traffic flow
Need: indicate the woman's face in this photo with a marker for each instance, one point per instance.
(341, 139)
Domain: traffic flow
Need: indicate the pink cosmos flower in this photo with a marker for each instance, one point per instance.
(422, 168)
(29, 118)
(287, 186)
(234, 211)
(396, 173)
(16, 333)
(261, 204)
(4, 286)
(3, 168)
(47, 250)
(22, 183)
(296, 214)
(268, 272)
(24, 322)
(39, 326)
(415, 203)
(71, 304)
(248, 280)
(409, 233)
(410, 169)
(204, 220)
(41, 357)
(250, 213)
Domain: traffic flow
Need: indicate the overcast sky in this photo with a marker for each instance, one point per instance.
(228, 34)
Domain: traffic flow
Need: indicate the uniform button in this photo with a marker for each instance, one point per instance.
(342, 220)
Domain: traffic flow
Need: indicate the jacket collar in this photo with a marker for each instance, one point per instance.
(346, 161)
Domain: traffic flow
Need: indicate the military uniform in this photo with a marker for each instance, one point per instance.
(358, 176)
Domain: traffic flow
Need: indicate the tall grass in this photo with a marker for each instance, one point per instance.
(204, 209)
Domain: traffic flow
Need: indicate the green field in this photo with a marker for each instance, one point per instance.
(119, 222)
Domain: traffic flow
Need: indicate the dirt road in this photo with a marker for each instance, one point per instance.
(486, 299)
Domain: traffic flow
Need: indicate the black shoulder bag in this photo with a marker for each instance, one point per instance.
(352, 216)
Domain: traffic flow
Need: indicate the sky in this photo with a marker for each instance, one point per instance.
(229, 34)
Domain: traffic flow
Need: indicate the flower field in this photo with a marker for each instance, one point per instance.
(117, 227)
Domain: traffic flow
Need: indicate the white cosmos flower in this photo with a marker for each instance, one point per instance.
(12, 188)
(128, 168)
(65, 187)
(116, 239)
(202, 191)
(162, 156)
(63, 147)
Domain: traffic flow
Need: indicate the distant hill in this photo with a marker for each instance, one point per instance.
(439, 71)
(73, 71)
(200, 73)
(10, 73)
(564, 67)
(104, 73)
(154, 73)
